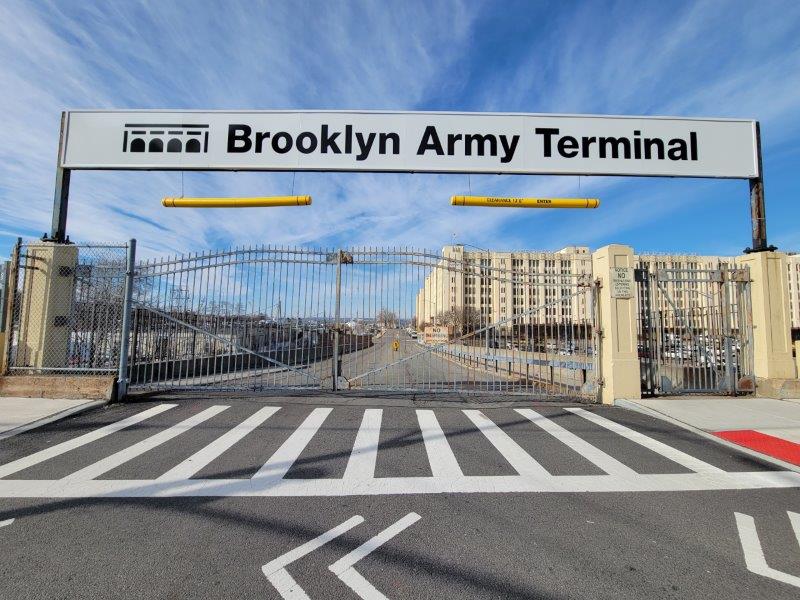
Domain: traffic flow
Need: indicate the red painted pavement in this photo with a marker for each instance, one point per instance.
(766, 444)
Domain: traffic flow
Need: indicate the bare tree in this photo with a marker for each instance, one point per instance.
(462, 319)
(386, 318)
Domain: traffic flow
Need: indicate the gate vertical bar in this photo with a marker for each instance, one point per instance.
(335, 366)
(727, 331)
(122, 376)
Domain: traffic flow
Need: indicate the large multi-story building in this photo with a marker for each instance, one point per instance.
(494, 287)
(517, 287)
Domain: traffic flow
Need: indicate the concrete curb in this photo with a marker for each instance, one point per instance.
(53, 418)
(630, 405)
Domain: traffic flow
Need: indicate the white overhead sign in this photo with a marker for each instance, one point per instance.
(434, 142)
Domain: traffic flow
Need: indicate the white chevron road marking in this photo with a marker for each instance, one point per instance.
(344, 567)
(754, 553)
(275, 570)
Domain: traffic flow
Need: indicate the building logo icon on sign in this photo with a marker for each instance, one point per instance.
(152, 138)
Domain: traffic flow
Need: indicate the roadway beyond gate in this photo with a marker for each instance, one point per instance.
(297, 318)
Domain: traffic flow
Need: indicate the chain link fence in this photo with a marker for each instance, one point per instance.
(66, 308)
(5, 267)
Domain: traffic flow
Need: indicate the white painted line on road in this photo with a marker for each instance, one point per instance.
(344, 570)
(440, 456)
(522, 462)
(203, 457)
(6, 522)
(794, 519)
(361, 464)
(591, 453)
(382, 486)
(279, 463)
(119, 458)
(48, 453)
(275, 570)
(673, 454)
(359, 584)
(754, 553)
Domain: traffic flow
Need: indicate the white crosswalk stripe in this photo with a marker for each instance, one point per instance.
(522, 462)
(359, 476)
(58, 449)
(365, 449)
(675, 455)
(440, 456)
(591, 453)
(279, 463)
(119, 458)
(214, 450)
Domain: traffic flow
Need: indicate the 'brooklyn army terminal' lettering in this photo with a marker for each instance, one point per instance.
(241, 138)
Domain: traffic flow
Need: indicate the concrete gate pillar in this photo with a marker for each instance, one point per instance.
(772, 337)
(618, 358)
(46, 300)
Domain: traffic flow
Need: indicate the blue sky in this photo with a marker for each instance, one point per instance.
(716, 58)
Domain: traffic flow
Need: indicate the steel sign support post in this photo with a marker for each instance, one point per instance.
(58, 228)
(758, 214)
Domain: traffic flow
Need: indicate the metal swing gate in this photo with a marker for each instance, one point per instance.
(695, 330)
(374, 319)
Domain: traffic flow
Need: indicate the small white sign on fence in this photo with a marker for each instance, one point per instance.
(621, 282)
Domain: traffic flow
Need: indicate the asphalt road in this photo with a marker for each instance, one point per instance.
(88, 522)
(381, 367)
(395, 361)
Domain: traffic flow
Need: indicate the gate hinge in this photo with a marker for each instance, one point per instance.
(599, 331)
(739, 275)
(601, 382)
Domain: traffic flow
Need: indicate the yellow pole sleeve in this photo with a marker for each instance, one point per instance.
(499, 201)
(265, 201)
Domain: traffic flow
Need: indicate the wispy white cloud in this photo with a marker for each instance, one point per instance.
(236, 55)
(622, 57)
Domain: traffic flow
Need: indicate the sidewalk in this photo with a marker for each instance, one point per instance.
(21, 414)
(763, 425)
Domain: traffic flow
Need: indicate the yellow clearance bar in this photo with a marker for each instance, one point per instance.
(524, 202)
(265, 201)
